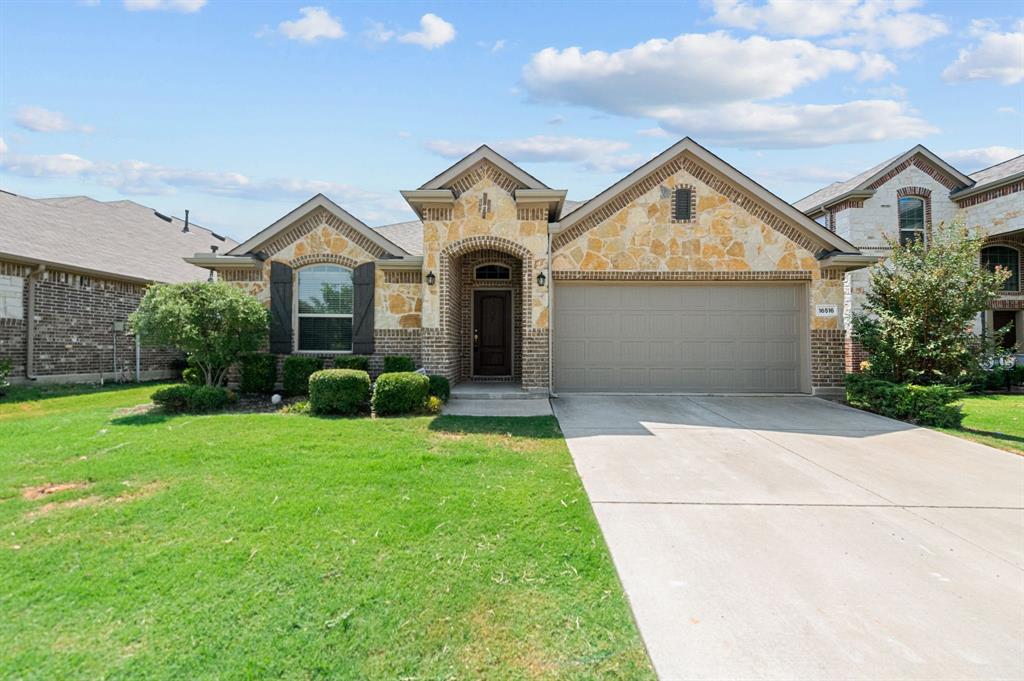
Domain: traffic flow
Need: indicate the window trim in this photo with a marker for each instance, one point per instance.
(492, 264)
(924, 218)
(296, 316)
(692, 207)
(1016, 274)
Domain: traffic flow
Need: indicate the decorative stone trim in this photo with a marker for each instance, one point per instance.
(635, 275)
(321, 259)
(403, 276)
(925, 195)
(940, 176)
(535, 213)
(1005, 190)
(693, 202)
(436, 213)
(314, 220)
(484, 169)
(240, 275)
(702, 173)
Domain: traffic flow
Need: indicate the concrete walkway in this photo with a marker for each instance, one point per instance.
(793, 538)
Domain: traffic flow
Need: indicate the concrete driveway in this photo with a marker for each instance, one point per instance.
(793, 538)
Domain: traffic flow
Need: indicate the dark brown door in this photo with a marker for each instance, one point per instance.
(492, 333)
(1001, 318)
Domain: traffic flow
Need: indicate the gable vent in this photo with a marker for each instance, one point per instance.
(683, 199)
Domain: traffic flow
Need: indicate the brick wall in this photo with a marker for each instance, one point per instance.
(828, 358)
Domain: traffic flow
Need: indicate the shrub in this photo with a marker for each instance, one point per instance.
(191, 376)
(5, 371)
(358, 362)
(398, 363)
(433, 405)
(439, 387)
(339, 391)
(296, 408)
(296, 372)
(176, 399)
(257, 373)
(399, 393)
(928, 405)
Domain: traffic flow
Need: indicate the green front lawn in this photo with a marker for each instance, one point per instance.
(995, 420)
(269, 545)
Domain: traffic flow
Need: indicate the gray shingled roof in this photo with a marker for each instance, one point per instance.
(998, 172)
(119, 238)
(839, 188)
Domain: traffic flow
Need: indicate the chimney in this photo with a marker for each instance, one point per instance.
(185, 228)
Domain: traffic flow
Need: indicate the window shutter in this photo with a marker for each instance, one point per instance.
(681, 204)
(280, 308)
(362, 309)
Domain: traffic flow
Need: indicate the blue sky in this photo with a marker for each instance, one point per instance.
(241, 111)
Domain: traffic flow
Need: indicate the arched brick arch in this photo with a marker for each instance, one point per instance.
(479, 243)
(925, 195)
(322, 259)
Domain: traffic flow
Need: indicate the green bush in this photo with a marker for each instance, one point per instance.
(257, 373)
(928, 405)
(191, 376)
(999, 378)
(296, 372)
(439, 387)
(177, 399)
(398, 363)
(358, 362)
(339, 391)
(433, 405)
(399, 393)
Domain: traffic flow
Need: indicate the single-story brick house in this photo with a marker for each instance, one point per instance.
(684, 276)
(903, 198)
(71, 271)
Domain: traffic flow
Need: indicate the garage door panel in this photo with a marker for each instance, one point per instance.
(679, 338)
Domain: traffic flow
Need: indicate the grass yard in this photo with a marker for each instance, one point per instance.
(995, 420)
(268, 545)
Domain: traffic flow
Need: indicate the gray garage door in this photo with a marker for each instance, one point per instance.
(679, 338)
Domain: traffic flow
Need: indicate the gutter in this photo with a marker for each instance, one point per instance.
(847, 261)
(967, 192)
(30, 327)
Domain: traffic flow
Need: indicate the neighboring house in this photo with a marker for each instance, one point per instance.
(684, 276)
(72, 270)
(904, 198)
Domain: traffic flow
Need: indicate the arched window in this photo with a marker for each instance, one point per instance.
(493, 271)
(911, 219)
(1007, 258)
(324, 308)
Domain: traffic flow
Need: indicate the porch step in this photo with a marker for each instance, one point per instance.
(495, 391)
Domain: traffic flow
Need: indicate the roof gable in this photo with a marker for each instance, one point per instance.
(717, 174)
(484, 162)
(369, 239)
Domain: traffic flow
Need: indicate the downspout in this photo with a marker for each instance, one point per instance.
(551, 324)
(138, 360)
(30, 327)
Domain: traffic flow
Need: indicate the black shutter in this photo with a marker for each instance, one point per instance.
(362, 309)
(681, 199)
(280, 308)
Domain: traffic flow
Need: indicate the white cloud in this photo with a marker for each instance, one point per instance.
(378, 33)
(38, 119)
(996, 56)
(434, 32)
(316, 23)
(54, 165)
(498, 46)
(556, 120)
(874, 67)
(594, 154)
(710, 85)
(873, 24)
(187, 6)
(970, 160)
(1006, 110)
(654, 132)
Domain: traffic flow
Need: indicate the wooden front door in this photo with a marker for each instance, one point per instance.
(492, 333)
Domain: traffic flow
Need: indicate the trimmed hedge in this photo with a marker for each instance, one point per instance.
(358, 362)
(296, 372)
(196, 399)
(439, 387)
(339, 391)
(399, 393)
(257, 373)
(398, 363)
(927, 405)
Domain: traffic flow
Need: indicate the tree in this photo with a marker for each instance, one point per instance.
(213, 323)
(917, 322)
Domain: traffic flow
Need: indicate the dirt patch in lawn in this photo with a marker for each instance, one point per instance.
(136, 410)
(132, 494)
(42, 491)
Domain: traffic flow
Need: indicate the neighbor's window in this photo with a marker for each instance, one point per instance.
(493, 272)
(682, 204)
(911, 219)
(11, 290)
(1007, 258)
(325, 308)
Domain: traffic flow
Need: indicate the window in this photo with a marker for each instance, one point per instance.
(325, 308)
(1007, 258)
(682, 204)
(493, 272)
(911, 219)
(11, 289)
